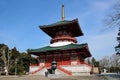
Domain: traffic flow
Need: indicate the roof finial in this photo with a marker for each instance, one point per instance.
(63, 13)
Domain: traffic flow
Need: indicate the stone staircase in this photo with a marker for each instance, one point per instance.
(37, 70)
(66, 70)
(57, 72)
(41, 72)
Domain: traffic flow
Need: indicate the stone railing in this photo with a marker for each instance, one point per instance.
(38, 70)
(64, 70)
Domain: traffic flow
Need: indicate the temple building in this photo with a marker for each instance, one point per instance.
(64, 49)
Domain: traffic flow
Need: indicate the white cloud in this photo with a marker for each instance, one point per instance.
(98, 7)
(102, 44)
(103, 5)
(91, 18)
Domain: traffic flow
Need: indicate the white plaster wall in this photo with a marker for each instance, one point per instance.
(78, 69)
(61, 43)
(34, 68)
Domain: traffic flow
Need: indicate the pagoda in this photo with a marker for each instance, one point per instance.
(64, 49)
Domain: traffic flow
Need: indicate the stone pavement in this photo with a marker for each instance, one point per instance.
(25, 77)
(112, 76)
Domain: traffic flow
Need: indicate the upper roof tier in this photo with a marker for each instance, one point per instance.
(71, 26)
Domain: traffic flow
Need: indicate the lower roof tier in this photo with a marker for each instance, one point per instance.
(81, 48)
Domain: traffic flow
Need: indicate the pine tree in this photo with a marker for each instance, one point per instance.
(117, 48)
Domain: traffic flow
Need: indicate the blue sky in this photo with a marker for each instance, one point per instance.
(19, 21)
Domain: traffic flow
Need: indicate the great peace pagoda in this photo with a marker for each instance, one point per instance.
(63, 49)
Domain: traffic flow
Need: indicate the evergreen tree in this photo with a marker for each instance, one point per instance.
(117, 48)
(25, 58)
(94, 62)
(88, 61)
(14, 61)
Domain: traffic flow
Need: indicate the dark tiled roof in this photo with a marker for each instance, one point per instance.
(45, 50)
(58, 23)
(68, 25)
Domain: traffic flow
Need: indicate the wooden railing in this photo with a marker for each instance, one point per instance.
(64, 70)
(68, 38)
(38, 70)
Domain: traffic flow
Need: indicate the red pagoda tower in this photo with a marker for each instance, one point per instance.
(63, 48)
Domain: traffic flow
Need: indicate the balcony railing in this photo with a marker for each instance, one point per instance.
(63, 38)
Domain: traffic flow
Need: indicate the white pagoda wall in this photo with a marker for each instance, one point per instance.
(78, 69)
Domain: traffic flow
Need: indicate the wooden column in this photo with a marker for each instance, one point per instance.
(66, 59)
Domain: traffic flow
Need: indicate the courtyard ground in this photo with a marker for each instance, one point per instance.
(39, 77)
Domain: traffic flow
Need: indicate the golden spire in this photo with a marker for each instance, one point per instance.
(63, 13)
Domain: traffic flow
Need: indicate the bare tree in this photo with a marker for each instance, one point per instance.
(115, 63)
(112, 64)
(115, 60)
(5, 57)
(113, 20)
(104, 62)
